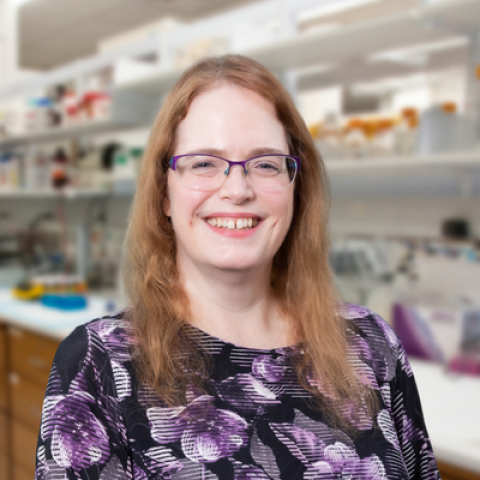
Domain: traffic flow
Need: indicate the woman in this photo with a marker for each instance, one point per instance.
(235, 359)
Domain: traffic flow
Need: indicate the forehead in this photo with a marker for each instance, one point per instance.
(228, 115)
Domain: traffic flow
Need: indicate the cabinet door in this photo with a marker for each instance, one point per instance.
(24, 446)
(4, 467)
(27, 400)
(3, 390)
(21, 473)
(3, 433)
(452, 472)
(31, 355)
(3, 368)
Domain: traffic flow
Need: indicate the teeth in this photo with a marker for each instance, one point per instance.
(231, 223)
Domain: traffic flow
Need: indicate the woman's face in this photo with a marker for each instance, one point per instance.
(237, 124)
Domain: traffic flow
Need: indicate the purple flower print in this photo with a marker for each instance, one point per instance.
(114, 336)
(248, 472)
(79, 439)
(304, 445)
(245, 393)
(340, 461)
(162, 462)
(206, 433)
(351, 311)
(366, 375)
(387, 427)
(369, 468)
(319, 470)
(167, 424)
(340, 455)
(220, 434)
(387, 331)
(267, 368)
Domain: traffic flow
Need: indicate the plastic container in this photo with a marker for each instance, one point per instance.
(60, 176)
(37, 172)
(355, 140)
(126, 166)
(95, 106)
(441, 129)
(405, 132)
(9, 172)
(65, 302)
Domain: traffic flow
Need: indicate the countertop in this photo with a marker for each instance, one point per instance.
(451, 408)
(450, 402)
(50, 322)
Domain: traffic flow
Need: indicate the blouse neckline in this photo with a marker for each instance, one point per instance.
(208, 337)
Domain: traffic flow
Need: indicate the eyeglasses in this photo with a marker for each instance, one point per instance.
(268, 173)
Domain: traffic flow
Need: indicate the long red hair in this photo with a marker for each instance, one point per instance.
(301, 278)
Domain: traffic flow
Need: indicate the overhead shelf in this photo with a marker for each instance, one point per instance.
(345, 44)
(67, 193)
(445, 175)
(451, 160)
(362, 70)
(59, 133)
(157, 83)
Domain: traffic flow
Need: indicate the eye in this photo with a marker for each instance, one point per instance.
(266, 167)
(200, 165)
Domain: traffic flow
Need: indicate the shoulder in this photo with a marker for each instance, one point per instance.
(112, 334)
(369, 323)
(92, 346)
(373, 339)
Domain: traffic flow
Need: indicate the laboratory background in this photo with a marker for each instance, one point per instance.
(390, 92)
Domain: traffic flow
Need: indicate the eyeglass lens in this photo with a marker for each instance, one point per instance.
(269, 173)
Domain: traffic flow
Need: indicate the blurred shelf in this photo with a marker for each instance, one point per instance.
(448, 175)
(346, 42)
(61, 133)
(437, 21)
(158, 83)
(452, 161)
(128, 110)
(68, 193)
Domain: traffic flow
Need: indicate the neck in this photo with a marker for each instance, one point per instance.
(235, 306)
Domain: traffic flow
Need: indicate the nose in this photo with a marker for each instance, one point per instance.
(236, 187)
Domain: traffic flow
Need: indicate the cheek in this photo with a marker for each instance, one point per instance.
(282, 209)
(183, 204)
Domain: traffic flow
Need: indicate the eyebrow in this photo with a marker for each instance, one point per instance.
(221, 153)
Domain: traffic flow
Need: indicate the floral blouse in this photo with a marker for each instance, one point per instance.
(255, 421)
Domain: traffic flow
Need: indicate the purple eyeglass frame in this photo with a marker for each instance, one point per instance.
(173, 161)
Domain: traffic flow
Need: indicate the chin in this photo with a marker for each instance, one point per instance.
(237, 262)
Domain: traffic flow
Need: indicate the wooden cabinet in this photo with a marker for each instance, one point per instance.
(4, 430)
(24, 446)
(3, 368)
(25, 362)
(31, 355)
(27, 400)
(4, 467)
(450, 472)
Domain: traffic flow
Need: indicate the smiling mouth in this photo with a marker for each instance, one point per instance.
(233, 223)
